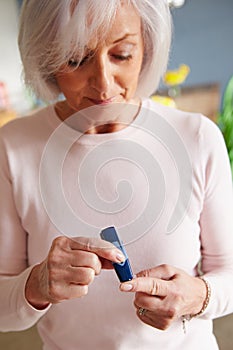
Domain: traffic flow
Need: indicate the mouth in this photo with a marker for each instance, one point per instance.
(102, 102)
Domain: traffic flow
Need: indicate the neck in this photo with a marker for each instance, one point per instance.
(94, 120)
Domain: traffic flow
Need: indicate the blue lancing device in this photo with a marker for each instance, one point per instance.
(123, 270)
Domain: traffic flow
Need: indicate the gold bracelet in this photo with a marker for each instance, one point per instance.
(205, 304)
(207, 299)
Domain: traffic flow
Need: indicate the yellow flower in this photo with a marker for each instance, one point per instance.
(167, 101)
(176, 77)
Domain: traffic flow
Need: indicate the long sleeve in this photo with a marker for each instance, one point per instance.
(26, 233)
(216, 221)
(16, 313)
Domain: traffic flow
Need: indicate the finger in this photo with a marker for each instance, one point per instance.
(76, 291)
(64, 291)
(148, 285)
(106, 264)
(92, 260)
(164, 271)
(72, 292)
(148, 302)
(80, 258)
(98, 246)
(159, 323)
(80, 275)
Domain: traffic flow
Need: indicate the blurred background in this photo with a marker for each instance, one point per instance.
(202, 40)
(198, 79)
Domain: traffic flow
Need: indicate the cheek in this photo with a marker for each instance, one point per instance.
(132, 74)
(131, 78)
(62, 83)
(69, 82)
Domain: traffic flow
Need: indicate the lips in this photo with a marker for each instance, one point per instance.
(102, 102)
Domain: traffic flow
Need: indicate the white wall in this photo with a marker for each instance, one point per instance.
(10, 64)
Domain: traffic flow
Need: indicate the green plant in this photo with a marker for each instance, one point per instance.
(225, 120)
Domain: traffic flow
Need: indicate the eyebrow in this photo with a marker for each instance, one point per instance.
(123, 38)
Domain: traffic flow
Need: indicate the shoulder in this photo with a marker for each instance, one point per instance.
(187, 124)
(30, 120)
(30, 126)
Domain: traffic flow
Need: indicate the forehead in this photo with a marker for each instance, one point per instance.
(127, 23)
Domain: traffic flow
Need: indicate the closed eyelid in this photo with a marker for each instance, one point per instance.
(87, 56)
(124, 47)
(76, 60)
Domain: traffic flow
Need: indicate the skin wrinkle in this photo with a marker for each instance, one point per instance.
(154, 287)
(103, 76)
(106, 76)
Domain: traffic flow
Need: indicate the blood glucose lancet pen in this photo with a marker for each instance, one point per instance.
(123, 270)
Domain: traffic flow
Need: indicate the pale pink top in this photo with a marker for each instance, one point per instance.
(167, 211)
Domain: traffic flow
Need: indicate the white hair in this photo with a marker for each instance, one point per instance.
(52, 31)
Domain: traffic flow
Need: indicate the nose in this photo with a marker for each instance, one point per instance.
(102, 75)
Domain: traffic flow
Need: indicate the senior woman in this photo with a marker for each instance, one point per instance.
(106, 58)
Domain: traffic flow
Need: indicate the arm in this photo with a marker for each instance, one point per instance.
(166, 293)
(216, 222)
(16, 313)
(176, 292)
(69, 269)
(26, 293)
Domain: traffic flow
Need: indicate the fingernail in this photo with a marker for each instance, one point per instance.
(126, 287)
(120, 257)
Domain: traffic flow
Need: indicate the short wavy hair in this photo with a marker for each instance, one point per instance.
(51, 31)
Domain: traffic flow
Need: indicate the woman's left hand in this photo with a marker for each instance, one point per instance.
(165, 293)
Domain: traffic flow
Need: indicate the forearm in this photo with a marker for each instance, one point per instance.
(16, 313)
(33, 292)
(216, 221)
(221, 300)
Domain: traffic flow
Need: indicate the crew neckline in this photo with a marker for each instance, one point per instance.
(94, 139)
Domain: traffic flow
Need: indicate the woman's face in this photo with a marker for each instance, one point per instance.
(111, 74)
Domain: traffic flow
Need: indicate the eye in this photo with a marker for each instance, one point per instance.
(87, 58)
(123, 57)
(73, 63)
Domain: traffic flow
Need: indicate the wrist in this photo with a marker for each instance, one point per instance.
(205, 304)
(206, 299)
(202, 299)
(33, 292)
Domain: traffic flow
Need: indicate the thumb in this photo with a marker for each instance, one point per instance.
(164, 272)
(149, 285)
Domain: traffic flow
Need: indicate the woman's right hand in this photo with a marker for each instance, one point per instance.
(69, 269)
